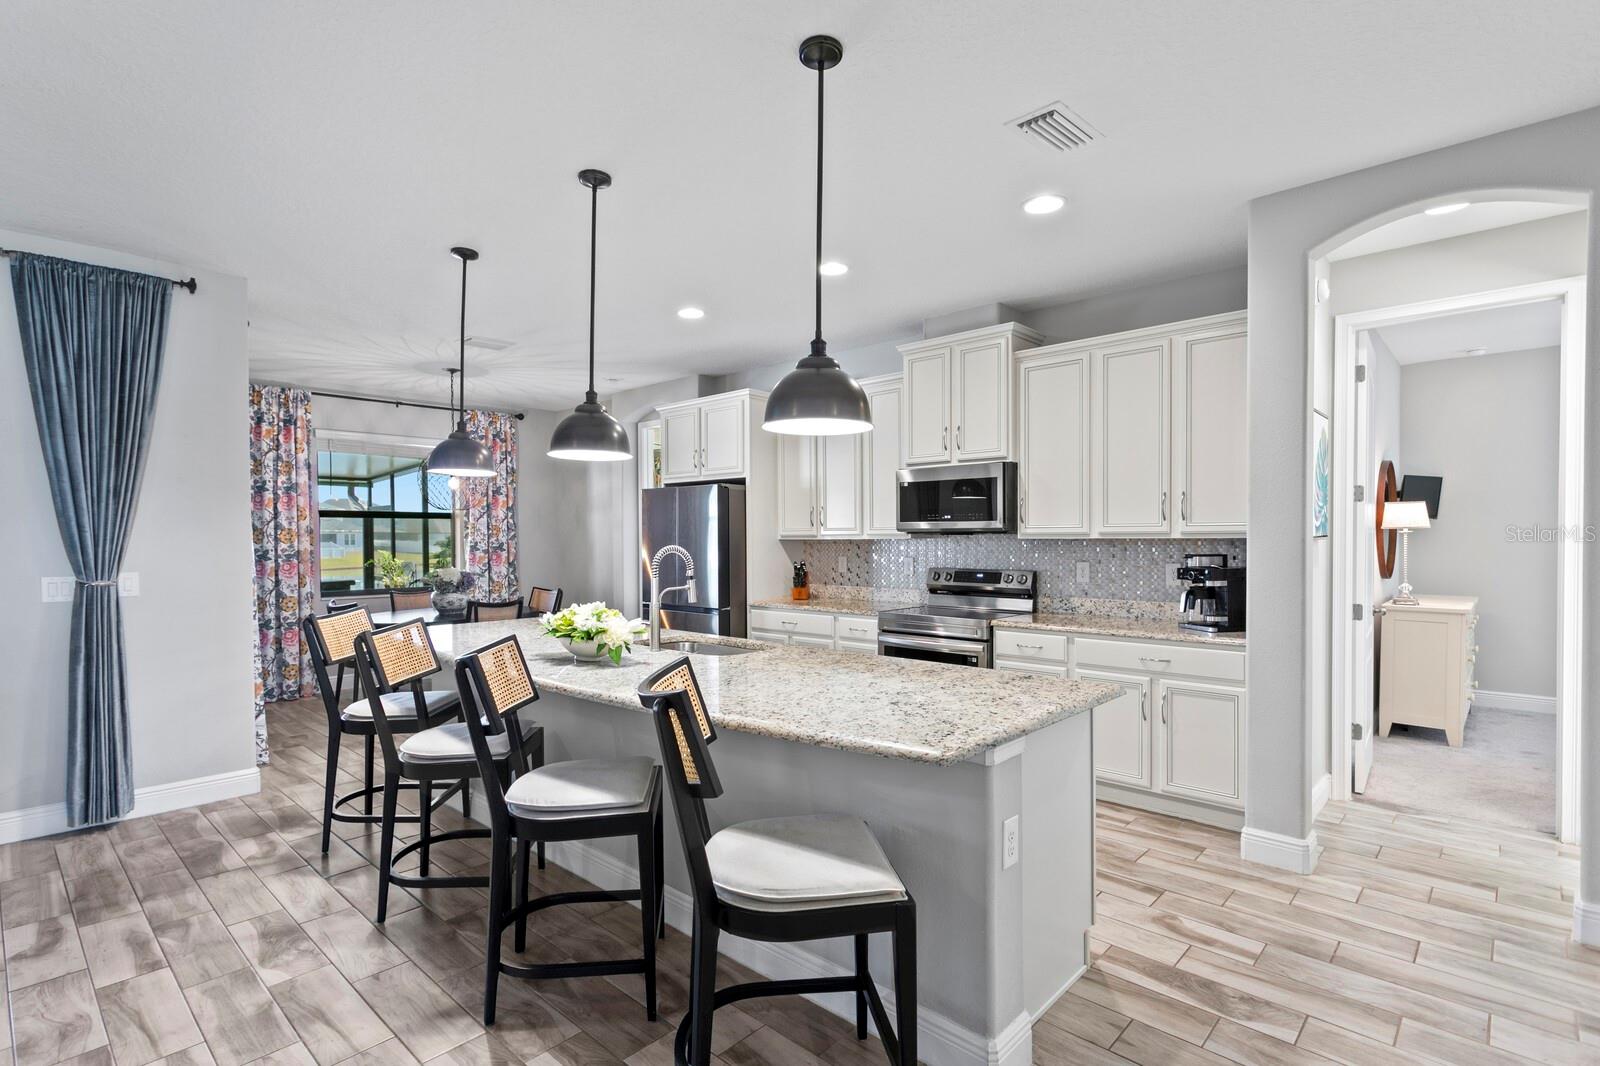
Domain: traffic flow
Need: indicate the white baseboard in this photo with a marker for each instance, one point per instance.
(1514, 701)
(1586, 923)
(155, 799)
(1320, 793)
(940, 1041)
(1298, 855)
(1171, 806)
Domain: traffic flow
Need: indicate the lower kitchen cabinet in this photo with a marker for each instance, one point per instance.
(1123, 739)
(1202, 727)
(818, 629)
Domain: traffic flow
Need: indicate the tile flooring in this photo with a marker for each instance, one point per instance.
(217, 936)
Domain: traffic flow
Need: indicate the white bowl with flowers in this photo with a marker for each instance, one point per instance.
(592, 632)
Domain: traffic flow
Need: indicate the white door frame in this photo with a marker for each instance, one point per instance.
(1569, 512)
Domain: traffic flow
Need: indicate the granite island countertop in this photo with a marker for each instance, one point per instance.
(891, 707)
(1117, 625)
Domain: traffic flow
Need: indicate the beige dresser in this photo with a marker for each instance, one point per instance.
(1425, 674)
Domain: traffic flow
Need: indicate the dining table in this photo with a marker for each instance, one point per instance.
(428, 616)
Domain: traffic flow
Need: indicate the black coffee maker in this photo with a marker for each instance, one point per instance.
(1213, 602)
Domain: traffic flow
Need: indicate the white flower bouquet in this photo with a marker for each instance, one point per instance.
(593, 631)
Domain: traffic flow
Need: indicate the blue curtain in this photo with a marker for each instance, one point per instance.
(93, 340)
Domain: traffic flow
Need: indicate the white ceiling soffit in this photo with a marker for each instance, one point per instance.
(1518, 328)
(1421, 228)
(332, 154)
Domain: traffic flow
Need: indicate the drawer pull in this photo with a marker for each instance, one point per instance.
(1148, 659)
(1035, 647)
(787, 622)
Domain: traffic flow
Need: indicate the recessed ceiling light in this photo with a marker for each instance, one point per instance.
(1044, 204)
(691, 313)
(1448, 209)
(833, 269)
(1477, 351)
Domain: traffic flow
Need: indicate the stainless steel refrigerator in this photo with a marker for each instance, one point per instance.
(707, 521)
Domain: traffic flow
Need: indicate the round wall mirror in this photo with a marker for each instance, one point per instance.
(1388, 489)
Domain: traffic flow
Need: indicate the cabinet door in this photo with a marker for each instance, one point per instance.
(1208, 440)
(1202, 749)
(1028, 666)
(981, 390)
(1054, 472)
(650, 455)
(680, 442)
(813, 642)
(927, 408)
(839, 500)
(797, 486)
(724, 424)
(1123, 738)
(1130, 436)
(880, 489)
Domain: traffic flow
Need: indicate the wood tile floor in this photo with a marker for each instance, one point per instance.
(217, 936)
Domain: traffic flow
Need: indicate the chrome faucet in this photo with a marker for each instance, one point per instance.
(656, 591)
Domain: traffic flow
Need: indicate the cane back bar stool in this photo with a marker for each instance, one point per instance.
(410, 599)
(399, 658)
(811, 877)
(543, 601)
(583, 799)
(493, 610)
(331, 642)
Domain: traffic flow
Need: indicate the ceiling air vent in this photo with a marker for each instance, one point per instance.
(1056, 127)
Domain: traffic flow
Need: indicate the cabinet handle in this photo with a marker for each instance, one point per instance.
(787, 622)
(1183, 505)
(1148, 659)
(958, 438)
(944, 437)
(822, 515)
(1035, 647)
(1144, 714)
(1164, 696)
(1163, 507)
(812, 516)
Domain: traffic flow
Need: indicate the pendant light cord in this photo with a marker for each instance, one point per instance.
(461, 418)
(594, 228)
(818, 263)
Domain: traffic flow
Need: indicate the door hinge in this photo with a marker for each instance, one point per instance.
(1361, 372)
(1357, 612)
(1355, 730)
(1361, 493)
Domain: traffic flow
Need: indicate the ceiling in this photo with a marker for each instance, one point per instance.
(1517, 328)
(332, 154)
(1422, 227)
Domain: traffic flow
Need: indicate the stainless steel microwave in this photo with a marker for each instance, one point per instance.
(967, 498)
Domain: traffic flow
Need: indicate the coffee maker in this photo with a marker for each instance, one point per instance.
(1213, 602)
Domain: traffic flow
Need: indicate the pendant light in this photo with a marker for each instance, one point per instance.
(589, 434)
(458, 455)
(817, 398)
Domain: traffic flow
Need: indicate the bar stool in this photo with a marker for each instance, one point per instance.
(331, 641)
(543, 601)
(398, 658)
(810, 877)
(494, 610)
(334, 607)
(584, 799)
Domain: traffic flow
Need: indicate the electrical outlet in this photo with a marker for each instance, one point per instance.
(128, 583)
(1083, 573)
(1010, 841)
(56, 589)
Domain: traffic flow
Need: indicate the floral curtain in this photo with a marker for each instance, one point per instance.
(490, 520)
(283, 527)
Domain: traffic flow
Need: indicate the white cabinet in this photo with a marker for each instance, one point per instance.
(855, 633)
(1209, 461)
(797, 486)
(1202, 729)
(709, 438)
(820, 629)
(650, 454)
(882, 461)
(958, 394)
(1426, 671)
(1130, 439)
(819, 486)
(1053, 475)
(1123, 739)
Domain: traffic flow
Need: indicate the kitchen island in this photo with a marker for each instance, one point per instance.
(937, 759)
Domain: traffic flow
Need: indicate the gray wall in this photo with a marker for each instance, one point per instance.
(1287, 229)
(188, 634)
(1489, 426)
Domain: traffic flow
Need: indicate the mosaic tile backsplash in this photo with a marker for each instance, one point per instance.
(1117, 569)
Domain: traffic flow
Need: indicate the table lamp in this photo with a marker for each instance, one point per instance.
(1405, 515)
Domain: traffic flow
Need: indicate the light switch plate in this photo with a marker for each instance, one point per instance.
(55, 589)
(128, 583)
(1011, 841)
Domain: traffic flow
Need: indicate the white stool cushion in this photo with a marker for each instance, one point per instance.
(403, 704)
(449, 743)
(801, 863)
(581, 785)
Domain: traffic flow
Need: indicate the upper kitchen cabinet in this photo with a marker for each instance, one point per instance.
(709, 438)
(882, 459)
(1053, 475)
(819, 486)
(1132, 382)
(650, 454)
(1208, 430)
(957, 395)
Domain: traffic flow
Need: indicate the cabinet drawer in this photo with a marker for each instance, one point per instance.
(1030, 644)
(809, 623)
(1161, 659)
(855, 629)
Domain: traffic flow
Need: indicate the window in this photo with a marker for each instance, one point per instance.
(372, 504)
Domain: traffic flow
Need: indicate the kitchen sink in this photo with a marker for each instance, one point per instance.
(700, 647)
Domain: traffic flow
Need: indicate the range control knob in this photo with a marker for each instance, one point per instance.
(1009, 579)
(948, 576)
(1022, 579)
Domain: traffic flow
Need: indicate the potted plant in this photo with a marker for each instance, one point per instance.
(393, 571)
(593, 631)
(450, 586)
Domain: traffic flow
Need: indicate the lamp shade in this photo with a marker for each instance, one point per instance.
(458, 455)
(590, 435)
(818, 399)
(1405, 514)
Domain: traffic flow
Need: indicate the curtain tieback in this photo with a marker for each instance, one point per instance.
(94, 584)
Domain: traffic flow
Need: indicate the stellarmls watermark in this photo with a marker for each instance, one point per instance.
(1549, 534)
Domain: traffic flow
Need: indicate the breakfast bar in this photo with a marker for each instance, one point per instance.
(979, 785)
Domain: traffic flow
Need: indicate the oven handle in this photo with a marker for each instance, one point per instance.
(942, 644)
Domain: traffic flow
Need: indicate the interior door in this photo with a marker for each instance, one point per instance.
(1363, 687)
(982, 401)
(1131, 440)
(927, 410)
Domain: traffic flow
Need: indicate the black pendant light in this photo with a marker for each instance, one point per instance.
(458, 455)
(589, 434)
(817, 398)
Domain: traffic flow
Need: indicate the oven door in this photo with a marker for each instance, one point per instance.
(935, 649)
(970, 498)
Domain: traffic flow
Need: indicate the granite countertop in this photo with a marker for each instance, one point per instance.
(897, 708)
(847, 600)
(1119, 625)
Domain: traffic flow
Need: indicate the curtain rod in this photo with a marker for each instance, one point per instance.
(191, 285)
(518, 415)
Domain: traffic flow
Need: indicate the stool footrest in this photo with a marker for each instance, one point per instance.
(437, 881)
(546, 970)
(798, 987)
(370, 819)
(556, 899)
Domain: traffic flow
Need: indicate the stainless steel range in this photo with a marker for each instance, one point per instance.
(953, 626)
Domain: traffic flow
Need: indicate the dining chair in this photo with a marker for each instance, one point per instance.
(410, 599)
(543, 601)
(334, 607)
(493, 610)
(781, 880)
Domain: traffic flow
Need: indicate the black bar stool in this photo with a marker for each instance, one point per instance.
(811, 877)
(399, 658)
(331, 641)
(583, 799)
